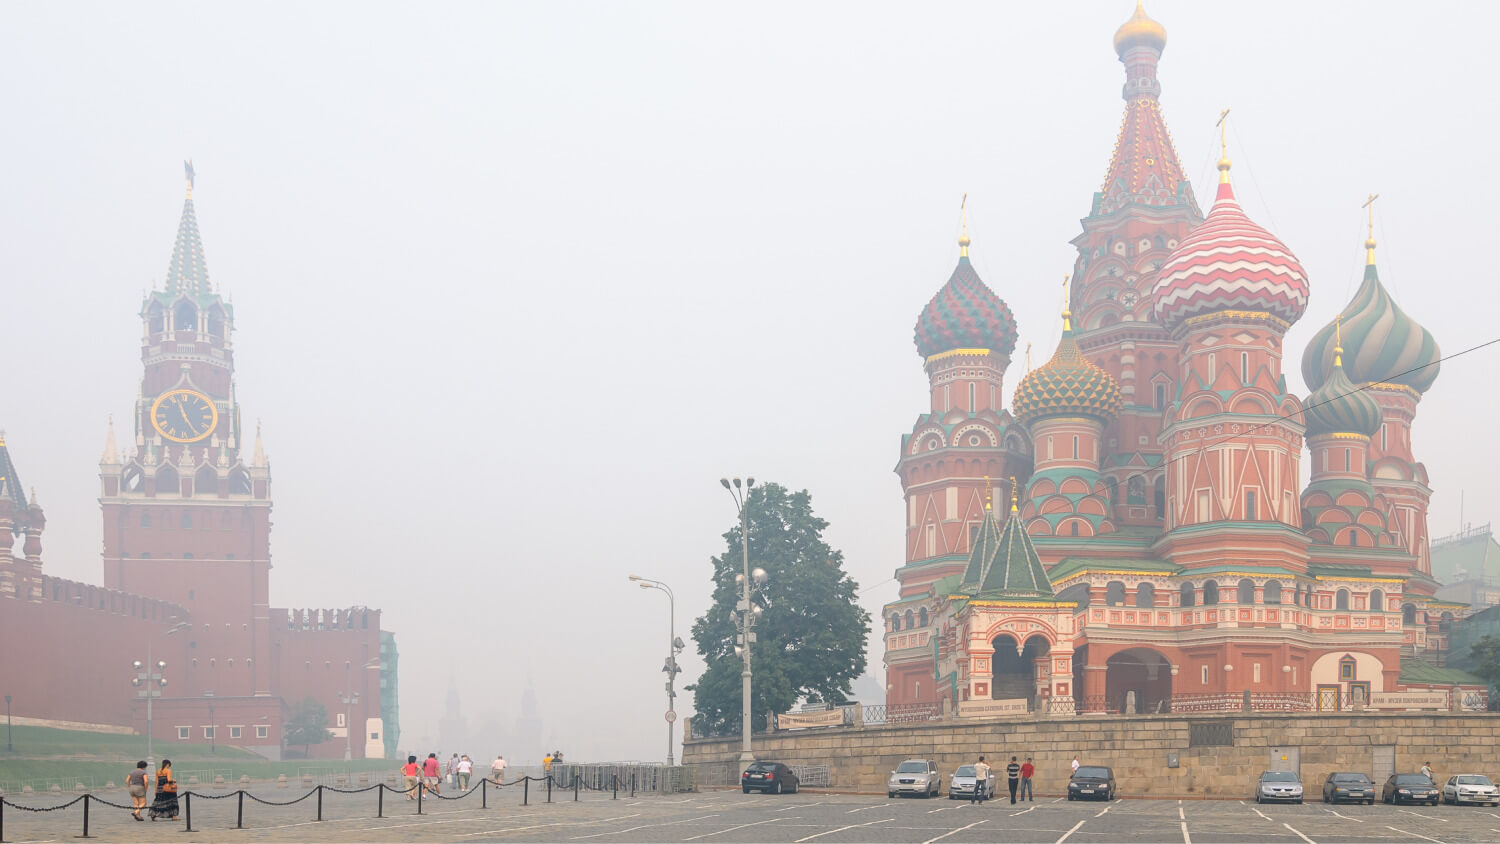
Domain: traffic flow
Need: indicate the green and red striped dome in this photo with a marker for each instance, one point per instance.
(1381, 343)
(965, 314)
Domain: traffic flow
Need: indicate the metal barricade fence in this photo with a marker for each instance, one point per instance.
(636, 776)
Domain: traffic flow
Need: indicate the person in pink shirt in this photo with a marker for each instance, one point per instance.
(431, 771)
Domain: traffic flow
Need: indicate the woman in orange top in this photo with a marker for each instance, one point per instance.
(165, 805)
(413, 774)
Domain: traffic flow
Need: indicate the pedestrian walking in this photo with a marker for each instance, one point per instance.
(1427, 770)
(452, 770)
(547, 765)
(1013, 778)
(135, 782)
(465, 768)
(431, 770)
(1075, 766)
(165, 804)
(497, 769)
(413, 774)
(981, 776)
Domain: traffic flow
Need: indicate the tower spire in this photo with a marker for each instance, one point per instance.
(1370, 238)
(963, 223)
(1067, 313)
(1224, 163)
(188, 272)
(1338, 341)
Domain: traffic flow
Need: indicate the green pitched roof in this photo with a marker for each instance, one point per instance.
(1417, 671)
(1004, 563)
(1322, 570)
(10, 485)
(1069, 566)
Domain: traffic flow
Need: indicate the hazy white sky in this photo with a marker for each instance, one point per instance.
(517, 283)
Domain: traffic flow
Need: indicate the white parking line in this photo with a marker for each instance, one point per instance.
(1069, 832)
(543, 825)
(1106, 809)
(867, 808)
(1057, 800)
(1423, 837)
(803, 806)
(1345, 817)
(960, 829)
(841, 829)
(1185, 838)
(1024, 811)
(944, 809)
(1259, 812)
(643, 826)
(1299, 835)
(1180, 815)
(1424, 817)
(741, 826)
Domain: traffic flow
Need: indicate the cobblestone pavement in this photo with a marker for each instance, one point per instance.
(735, 817)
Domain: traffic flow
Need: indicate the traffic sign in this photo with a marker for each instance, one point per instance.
(671, 716)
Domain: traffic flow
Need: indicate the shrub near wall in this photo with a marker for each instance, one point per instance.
(1137, 748)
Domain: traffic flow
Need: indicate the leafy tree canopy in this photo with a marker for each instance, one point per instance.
(308, 724)
(811, 634)
(1486, 656)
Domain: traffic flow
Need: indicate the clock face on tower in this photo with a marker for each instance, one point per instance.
(184, 416)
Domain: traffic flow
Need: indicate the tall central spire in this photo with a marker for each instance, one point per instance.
(188, 272)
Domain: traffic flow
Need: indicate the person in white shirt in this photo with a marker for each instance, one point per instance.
(497, 770)
(1427, 770)
(465, 768)
(1075, 764)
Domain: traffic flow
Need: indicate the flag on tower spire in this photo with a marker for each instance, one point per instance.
(188, 272)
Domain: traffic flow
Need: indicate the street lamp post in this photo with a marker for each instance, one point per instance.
(149, 680)
(741, 496)
(674, 647)
(9, 748)
(213, 731)
(348, 700)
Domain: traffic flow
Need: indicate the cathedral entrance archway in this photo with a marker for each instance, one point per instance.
(1014, 667)
(1141, 671)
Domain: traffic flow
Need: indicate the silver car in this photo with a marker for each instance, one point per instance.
(964, 780)
(1470, 788)
(915, 776)
(1278, 785)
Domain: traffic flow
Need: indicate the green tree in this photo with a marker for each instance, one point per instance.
(811, 633)
(308, 725)
(1485, 655)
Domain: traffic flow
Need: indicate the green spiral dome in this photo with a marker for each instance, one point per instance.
(1381, 343)
(1339, 407)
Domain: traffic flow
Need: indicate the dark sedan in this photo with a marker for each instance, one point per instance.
(1410, 788)
(1348, 786)
(773, 777)
(1091, 782)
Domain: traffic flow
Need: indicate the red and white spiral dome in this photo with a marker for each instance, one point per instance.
(1229, 263)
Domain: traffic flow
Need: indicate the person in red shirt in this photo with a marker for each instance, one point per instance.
(431, 770)
(413, 775)
(1026, 771)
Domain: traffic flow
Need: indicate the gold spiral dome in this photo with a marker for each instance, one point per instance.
(1140, 30)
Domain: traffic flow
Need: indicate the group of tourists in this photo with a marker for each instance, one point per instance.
(138, 783)
(430, 775)
(1017, 777)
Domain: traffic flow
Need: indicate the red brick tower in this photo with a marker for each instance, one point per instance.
(1140, 214)
(186, 515)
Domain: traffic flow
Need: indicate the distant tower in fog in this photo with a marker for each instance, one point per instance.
(529, 729)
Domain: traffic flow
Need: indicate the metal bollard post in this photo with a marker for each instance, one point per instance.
(525, 789)
(484, 794)
(2, 820)
(632, 784)
(85, 818)
(320, 803)
(380, 801)
(187, 810)
(549, 788)
(421, 787)
(575, 788)
(617, 787)
(239, 817)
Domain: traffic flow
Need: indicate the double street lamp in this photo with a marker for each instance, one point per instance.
(149, 681)
(745, 614)
(674, 647)
(348, 700)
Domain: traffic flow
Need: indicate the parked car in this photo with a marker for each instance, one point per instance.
(963, 781)
(915, 776)
(1410, 788)
(1470, 788)
(1278, 785)
(1091, 781)
(769, 776)
(1348, 785)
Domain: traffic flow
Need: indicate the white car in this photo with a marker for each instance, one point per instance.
(915, 776)
(1282, 786)
(1470, 788)
(965, 779)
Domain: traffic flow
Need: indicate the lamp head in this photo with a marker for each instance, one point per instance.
(749, 482)
(636, 577)
(736, 483)
(725, 482)
(739, 579)
(759, 574)
(645, 586)
(136, 665)
(161, 665)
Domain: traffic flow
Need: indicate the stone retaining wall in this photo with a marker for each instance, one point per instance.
(1137, 747)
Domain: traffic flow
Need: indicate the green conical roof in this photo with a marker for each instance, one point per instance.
(10, 485)
(1004, 563)
(188, 273)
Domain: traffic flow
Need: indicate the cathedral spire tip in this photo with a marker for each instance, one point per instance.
(1224, 163)
(1370, 237)
(963, 223)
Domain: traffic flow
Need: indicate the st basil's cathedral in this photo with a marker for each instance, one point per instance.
(1132, 535)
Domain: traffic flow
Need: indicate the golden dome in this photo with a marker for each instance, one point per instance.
(1140, 30)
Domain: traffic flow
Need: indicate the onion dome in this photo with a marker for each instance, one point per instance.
(1067, 385)
(965, 314)
(1381, 343)
(1230, 263)
(1140, 31)
(1339, 407)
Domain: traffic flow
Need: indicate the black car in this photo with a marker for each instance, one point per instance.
(1410, 788)
(1350, 786)
(769, 776)
(1090, 782)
